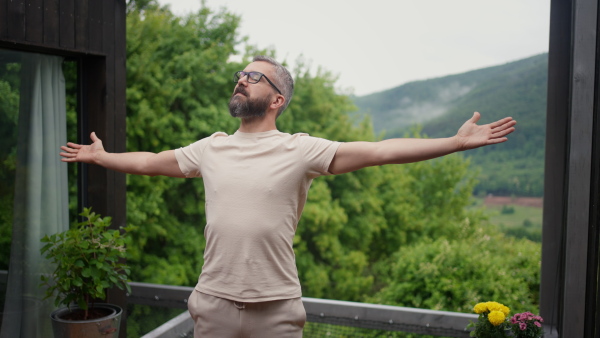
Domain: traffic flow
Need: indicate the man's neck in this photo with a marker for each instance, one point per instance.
(257, 125)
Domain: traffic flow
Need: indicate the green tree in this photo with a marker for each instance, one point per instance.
(178, 85)
(9, 115)
(475, 266)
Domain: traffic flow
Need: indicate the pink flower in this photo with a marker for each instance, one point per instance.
(522, 326)
(538, 324)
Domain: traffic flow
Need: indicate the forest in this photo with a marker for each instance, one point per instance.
(398, 234)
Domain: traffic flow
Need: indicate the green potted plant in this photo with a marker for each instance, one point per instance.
(493, 322)
(89, 260)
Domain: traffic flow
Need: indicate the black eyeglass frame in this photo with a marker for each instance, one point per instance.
(240, 74)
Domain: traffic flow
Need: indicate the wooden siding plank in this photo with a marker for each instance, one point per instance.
(82, 25)
(108, 46)
(16, 20)
(51, 23)
(120, 70)
(94, 70)
(583, 90)
(113, 24)
(3, 19)
(555, 185)
(95, 25)
(594, 267)
(67, 24)
(34, 21)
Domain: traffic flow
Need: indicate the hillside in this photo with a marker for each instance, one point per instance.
(440, 105)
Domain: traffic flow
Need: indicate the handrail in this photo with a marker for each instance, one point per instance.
(363, 315)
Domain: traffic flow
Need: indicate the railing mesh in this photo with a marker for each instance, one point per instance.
(337, 327)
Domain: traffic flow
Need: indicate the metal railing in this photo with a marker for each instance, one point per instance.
(353, 314)
(334, 312)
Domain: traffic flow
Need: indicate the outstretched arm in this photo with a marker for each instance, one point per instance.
(139, 163)
(352, 156)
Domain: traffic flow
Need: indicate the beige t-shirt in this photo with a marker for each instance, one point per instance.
(256, 186)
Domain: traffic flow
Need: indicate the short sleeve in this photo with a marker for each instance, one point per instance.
(189, 158)
(318, 154)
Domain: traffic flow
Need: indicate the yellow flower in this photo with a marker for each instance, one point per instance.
(480, 308)
(496, 317)
(495, 306)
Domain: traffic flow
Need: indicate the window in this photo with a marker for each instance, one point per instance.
(34, 189)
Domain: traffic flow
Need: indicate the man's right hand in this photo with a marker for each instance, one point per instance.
(74, 152)
(137, 163)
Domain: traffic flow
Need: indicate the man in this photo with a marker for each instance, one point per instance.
(256, 182)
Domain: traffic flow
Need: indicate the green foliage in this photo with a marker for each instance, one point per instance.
(507, 210)
(9, 112)
(141, 319)
(453, 274)
(71, 87)
(517, 221)
(89, 259)
(484, 329)
(179, 82)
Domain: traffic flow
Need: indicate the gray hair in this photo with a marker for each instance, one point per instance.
(283, 80)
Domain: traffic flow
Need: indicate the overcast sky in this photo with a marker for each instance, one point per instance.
(380, 44)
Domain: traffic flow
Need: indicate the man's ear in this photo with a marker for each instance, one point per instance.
(277, 102)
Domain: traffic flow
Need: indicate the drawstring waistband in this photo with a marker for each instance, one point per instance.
(239, 305)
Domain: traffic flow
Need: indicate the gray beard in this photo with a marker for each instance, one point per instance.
(245, 107)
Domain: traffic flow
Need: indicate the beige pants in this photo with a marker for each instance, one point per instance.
(222, 318)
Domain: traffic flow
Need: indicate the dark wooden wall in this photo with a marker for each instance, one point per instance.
(569, 299)
(91, 32)
(77, 26)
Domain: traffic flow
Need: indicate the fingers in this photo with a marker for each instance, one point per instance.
(475, 118)
(72, 145)
(94, 137)
(497, 140)
(68, 153)
(502, 133)
(68, 157)
(506, 122)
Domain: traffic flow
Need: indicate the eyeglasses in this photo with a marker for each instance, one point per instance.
(253, 77)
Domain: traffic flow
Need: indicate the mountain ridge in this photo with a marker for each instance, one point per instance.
(440, 105)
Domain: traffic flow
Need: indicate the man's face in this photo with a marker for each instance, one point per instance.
(243, 106)
(252, 100)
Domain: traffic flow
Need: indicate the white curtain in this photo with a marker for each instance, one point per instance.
(41, 196)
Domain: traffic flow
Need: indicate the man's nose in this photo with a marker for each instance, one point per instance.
(243, 80)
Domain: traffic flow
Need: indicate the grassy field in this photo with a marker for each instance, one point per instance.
(515, 220)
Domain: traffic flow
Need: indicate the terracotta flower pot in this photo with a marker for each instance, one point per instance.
(103, 327)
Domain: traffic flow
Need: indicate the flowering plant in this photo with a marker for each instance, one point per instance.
(492, 321)
(526, 325)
